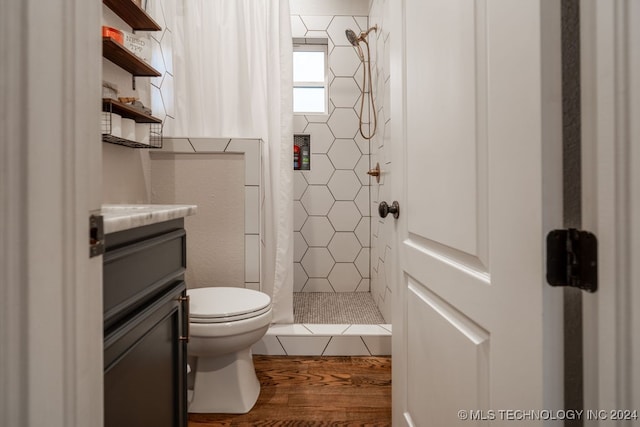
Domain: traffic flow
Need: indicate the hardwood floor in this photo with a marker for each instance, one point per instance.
(315, 391)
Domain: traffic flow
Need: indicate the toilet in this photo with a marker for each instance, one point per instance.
(224, 323)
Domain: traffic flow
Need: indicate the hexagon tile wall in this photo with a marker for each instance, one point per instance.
(332, 222)
(382, 232)
(334, 201)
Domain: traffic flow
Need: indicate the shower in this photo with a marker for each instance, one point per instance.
(355, 40)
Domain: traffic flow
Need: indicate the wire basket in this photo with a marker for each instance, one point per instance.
(107, 127)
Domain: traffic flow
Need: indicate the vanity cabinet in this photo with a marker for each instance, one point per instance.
(145, 326)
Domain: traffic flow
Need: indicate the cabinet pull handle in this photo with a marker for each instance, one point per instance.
(186, 307)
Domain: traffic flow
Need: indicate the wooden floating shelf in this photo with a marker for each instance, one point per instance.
(127, 111)
(133, 15)
(122, 57)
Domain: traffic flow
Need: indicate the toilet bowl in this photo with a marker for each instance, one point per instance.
(224, 323)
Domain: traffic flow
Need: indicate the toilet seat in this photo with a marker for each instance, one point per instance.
(226, 304)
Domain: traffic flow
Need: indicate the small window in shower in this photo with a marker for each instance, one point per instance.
(310, 76)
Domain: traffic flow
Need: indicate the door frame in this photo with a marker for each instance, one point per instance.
(610, 66)
(50, 180)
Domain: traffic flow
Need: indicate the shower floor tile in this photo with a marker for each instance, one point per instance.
(329, 324)
(332, 308)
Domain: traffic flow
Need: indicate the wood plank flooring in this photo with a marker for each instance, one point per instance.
(315, 391)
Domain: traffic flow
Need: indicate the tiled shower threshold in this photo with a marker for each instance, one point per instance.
(330, 338)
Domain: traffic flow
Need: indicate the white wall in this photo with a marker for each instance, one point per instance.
(223, 177)
(329, 7)
(215, 236)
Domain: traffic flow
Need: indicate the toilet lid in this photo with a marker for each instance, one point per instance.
(222, 304)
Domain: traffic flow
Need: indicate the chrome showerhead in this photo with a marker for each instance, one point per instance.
(351, 36)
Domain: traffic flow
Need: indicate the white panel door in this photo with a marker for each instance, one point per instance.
(476, 110)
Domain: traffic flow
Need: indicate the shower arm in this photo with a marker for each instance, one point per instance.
(366, 33)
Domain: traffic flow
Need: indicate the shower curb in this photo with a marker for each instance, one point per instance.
(325, 340)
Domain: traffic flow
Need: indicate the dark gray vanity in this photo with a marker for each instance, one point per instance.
(145, 319)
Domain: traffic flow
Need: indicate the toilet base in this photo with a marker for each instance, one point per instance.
(225, 384)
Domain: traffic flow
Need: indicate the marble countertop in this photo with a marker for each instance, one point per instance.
(124, 217)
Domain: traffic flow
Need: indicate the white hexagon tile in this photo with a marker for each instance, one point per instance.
(344, 123)
(344, 216)
(363, 144)
(317, 284)
(317, 200)
(317, 231)
(299, 277)
(316, 23)
(344, 154)
(317, 262)
(362, 200)
(344, 92)
(299, 215)
(363, 231)
(321, 137)
(362, 262)
(361, 169)
(344, 61)
(337, 29)
(299, 185)
(299, 246)
(297, 27)
(344, 185)
(299, 123)
(321, 170)
(364, 285)
(344, 277)
(344, 247)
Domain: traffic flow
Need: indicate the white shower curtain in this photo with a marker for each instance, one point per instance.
(233, 78)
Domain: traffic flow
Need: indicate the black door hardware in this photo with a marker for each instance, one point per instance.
(384, 209)
(572, 259)
(96, 235)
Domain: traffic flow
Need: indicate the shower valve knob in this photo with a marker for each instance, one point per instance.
(384, 209)
(375, 172)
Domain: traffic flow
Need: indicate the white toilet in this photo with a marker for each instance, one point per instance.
(224, 324)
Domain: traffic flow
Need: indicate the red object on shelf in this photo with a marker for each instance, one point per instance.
(296, 157)
(113, 33)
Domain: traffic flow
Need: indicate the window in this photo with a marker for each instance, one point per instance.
(310, 85)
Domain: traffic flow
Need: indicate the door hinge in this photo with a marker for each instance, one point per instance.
(96, 235)
(572, 259)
